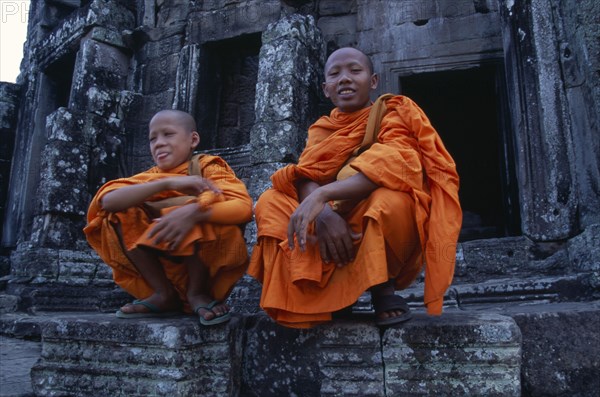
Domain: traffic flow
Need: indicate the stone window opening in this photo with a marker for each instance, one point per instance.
(225, 111)
(467, 108)
(59, 77)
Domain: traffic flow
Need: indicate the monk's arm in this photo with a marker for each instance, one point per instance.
(129, 196)
(313, 204)
(132, 195)
(236, 206)
(357, 187)
(231, 212)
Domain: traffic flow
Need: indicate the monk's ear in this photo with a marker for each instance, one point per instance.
(195, 139)
(374, 80)
(324, 87)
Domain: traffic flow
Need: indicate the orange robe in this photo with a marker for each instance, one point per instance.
(414, 213)
(222, 247)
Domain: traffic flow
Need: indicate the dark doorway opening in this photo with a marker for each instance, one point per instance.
(467, 108)
(59, 79)
(229, 72)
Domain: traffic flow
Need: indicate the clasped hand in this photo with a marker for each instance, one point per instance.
(333, 234)
(175, 225)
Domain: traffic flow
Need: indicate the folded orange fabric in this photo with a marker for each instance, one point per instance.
(223, 249)
(408, 160)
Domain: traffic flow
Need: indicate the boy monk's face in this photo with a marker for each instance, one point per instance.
(349, 80)
(171, 142)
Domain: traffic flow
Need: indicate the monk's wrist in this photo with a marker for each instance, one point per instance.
(324, 193)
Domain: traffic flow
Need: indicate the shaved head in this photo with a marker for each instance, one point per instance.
(181, 117)
(350, 50)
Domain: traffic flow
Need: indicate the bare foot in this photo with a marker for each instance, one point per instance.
(163, 302)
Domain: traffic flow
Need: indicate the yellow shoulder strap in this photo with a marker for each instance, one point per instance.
(374, 122)
(193, 167)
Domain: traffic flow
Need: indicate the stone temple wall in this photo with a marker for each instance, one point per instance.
(95, 71)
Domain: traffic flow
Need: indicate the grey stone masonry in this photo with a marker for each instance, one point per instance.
(102, 355)
(289, 72)
(471, 353)
(459, 354)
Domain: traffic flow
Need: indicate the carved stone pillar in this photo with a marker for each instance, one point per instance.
(540, 119)
(290, 70)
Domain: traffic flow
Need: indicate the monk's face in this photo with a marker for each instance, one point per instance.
(171, 142)
(349, 80)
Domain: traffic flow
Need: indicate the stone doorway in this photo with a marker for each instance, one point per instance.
(226, 101)
(59, 76)
(466, 106)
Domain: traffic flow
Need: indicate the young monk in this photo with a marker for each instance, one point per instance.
(171, 236)
(315, 256)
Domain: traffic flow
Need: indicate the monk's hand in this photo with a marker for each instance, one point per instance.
(174, 226)
(192, 185)
(335, 238)
(306, 212)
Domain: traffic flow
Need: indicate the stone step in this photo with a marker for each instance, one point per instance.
(456, 354)
(8, 303)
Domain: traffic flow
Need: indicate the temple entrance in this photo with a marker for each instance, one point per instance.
(467, 108)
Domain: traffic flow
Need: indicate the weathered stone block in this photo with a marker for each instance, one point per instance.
(286, 87)
(225, 21)
(8, 303)
(100, 73)
(136, 358)
(260, 177)
(584, 250)
(173, 14)
(39, 263)
(543, 138)
(66, 126)
(186, 89)
(245, 297)
(335, 7)
(456, 354)
(162, 47)
(157, 74)
(351, 363)
(64, 180)
(64, 38)
(109, 37)
(341, 30)
(81, 268)
(335, 359)
(106, 150)
(561, 349)
(276, 141)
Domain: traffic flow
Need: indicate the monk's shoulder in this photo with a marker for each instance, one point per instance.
(213, 165)
(402, 107)
(400, 102)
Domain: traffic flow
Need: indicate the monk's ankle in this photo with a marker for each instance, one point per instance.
(382, 289)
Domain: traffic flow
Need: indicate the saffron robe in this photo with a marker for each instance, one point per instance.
(222, 248)
(413, 215)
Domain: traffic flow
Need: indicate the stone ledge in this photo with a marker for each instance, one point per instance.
(476, 353)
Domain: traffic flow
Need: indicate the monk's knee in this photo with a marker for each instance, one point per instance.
(273, 202)
(391, 201)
